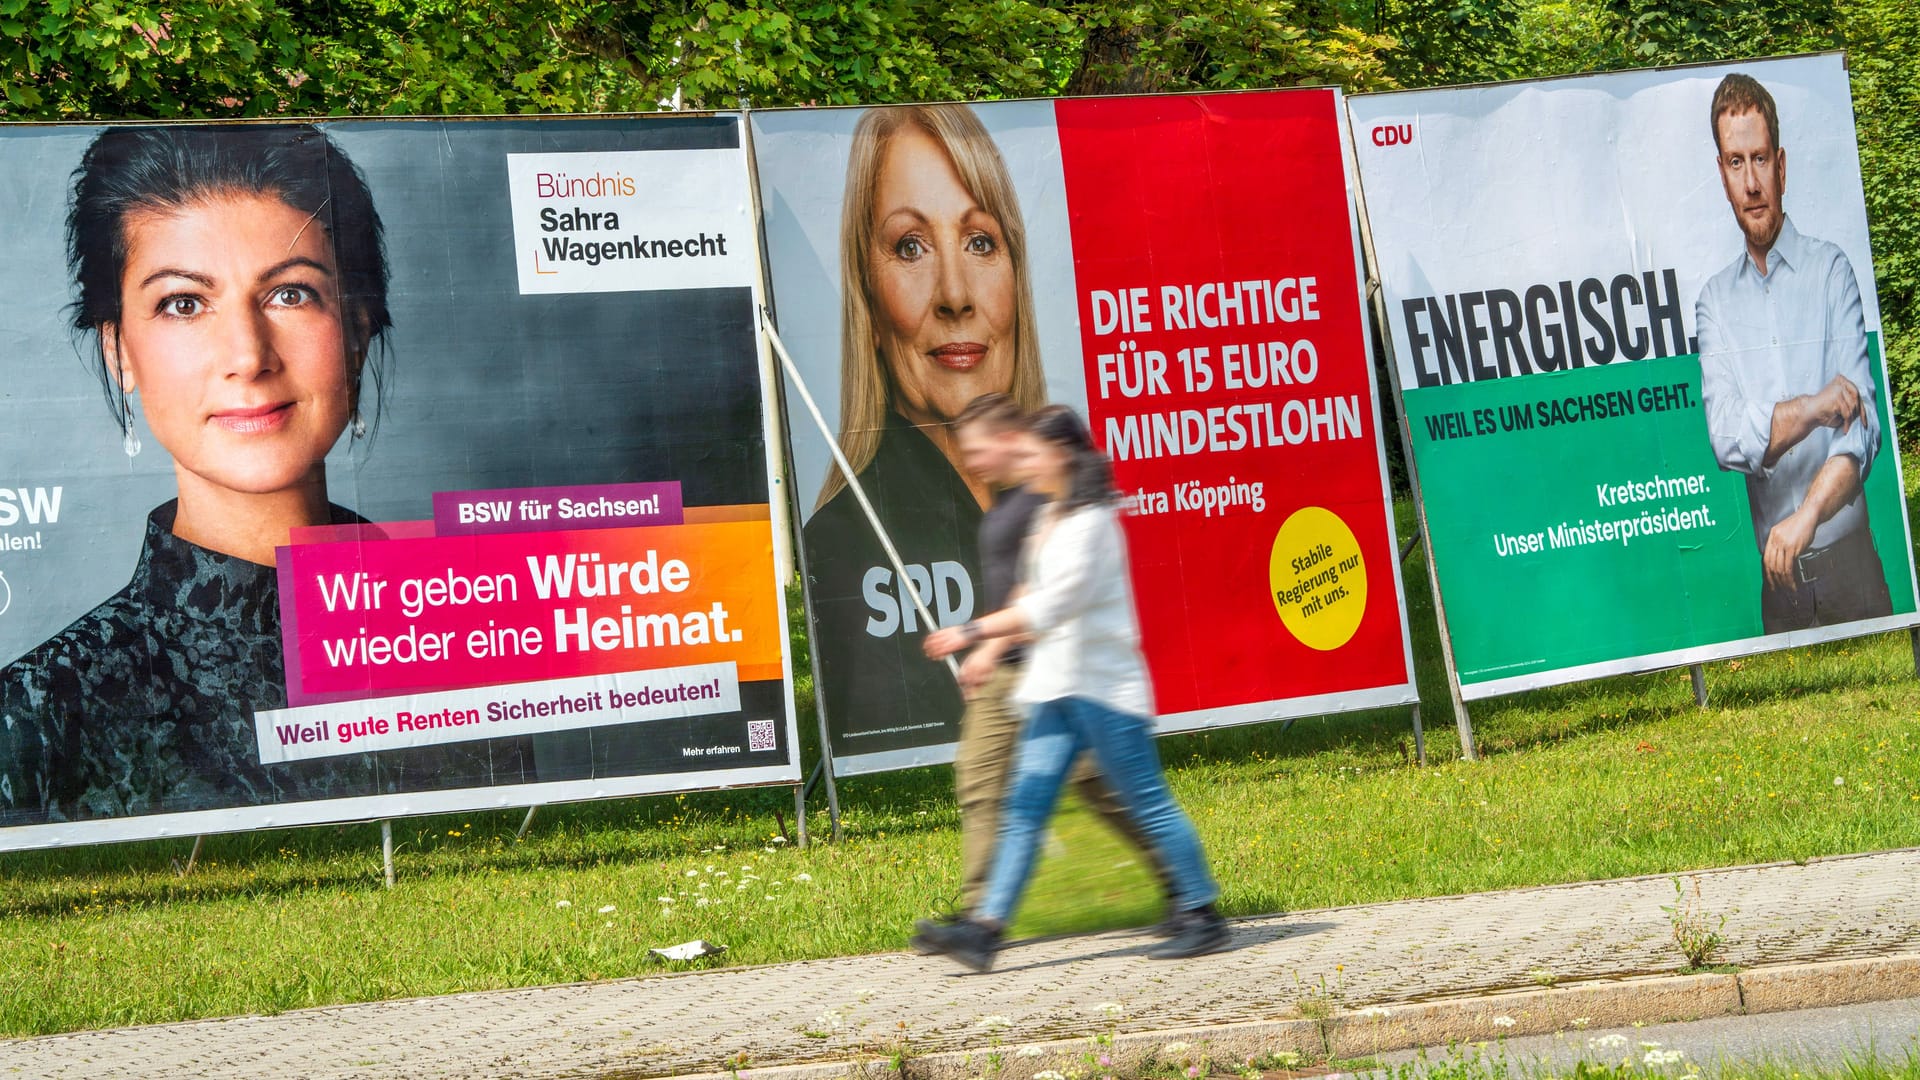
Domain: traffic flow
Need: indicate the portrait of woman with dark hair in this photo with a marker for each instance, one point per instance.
(936, 310)
(230, 285)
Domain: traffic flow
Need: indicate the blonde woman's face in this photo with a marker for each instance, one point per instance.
(942, 284)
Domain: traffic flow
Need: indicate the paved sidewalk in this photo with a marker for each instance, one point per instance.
(1417, 950)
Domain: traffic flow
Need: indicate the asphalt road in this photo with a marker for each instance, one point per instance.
(1890, 1029)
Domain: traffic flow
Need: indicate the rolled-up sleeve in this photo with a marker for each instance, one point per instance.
(1846, 348)
(1739, 427)
(1063, 574)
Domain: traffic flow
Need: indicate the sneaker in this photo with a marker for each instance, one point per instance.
(1198, 932)
(968, 943)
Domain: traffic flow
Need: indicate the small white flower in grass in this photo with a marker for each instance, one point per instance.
(609, 909)
(1027, 1052)
(779, 839)
(1049, 1074)
(803, 877)
(664, 899)
(693, 873)
(609, 924)
(769, 896)
(1606, 1042)
(1662, 1057)
(768, 850)
(1582, 1021)
(1174, 1049)
(563, 903)
(702, 902)
(1503, 1021)
(1839, 781)
(1110, 1009)
(742, 887)
(1374, 1012)
(709, 868)
(994, 1023)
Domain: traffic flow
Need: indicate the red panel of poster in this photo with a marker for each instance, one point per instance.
(1227, 375)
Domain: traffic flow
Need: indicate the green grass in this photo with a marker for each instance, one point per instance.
(1623, 776)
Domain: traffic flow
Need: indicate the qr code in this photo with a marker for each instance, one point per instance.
(760, 735)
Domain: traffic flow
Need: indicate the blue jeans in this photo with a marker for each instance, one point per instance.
(1055, 735)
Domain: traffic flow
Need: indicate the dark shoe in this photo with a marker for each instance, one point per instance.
(921, 926)
(968, 943)
(1197, 933)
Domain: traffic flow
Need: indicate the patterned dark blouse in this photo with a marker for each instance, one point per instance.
(145, 705)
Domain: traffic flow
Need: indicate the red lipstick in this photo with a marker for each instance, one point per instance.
(959, 355)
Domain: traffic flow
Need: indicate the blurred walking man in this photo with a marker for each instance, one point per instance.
(988, 434)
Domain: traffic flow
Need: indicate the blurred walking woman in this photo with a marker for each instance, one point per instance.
(1085, 688)
(232, 285)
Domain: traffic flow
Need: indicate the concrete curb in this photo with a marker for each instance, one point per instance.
(1354, 1031)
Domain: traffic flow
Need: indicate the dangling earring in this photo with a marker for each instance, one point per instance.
(131, 442)
(359, 425)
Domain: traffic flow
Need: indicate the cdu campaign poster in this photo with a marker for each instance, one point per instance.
(1639, 355)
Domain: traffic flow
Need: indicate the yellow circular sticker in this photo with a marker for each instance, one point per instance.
(1318, 577)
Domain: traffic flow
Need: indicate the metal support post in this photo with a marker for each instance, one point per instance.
(386, 848)
(1699, 674)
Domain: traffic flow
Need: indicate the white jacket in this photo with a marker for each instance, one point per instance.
(1079, 608)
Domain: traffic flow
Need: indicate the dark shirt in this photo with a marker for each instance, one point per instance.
(879, 691)
(146, 704)
(1003, 535)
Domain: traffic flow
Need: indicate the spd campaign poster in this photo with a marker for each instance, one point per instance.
(1639, 355)
(370, 468)
(1180, 269)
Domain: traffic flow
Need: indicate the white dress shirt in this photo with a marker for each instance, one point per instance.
(1767, 338)
(1079, 608)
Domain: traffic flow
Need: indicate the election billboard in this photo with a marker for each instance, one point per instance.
(1634, 326)
(370, 468)
(1183, 269)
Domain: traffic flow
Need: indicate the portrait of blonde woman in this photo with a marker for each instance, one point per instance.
(936, 310)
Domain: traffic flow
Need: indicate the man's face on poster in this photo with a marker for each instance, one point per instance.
(1754, 172)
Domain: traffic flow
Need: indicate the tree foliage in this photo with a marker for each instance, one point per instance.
(1883, 37)
(156, 59)
(98, 59)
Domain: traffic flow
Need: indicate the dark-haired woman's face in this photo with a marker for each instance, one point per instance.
(232, 331)
(941, 281)
(1044, 465)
